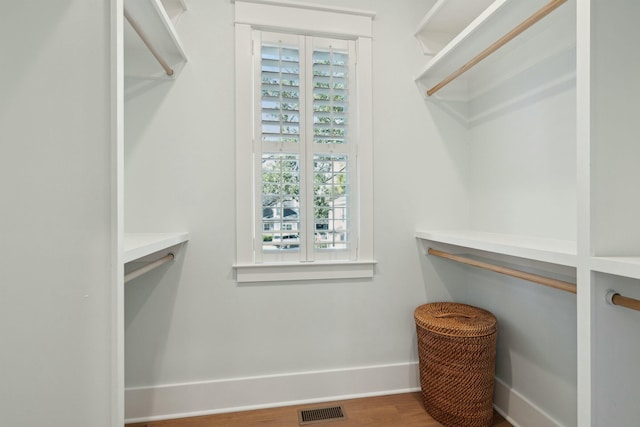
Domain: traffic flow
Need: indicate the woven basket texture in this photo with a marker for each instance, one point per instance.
(457, 351)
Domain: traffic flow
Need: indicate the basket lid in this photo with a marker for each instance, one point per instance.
(455, 319)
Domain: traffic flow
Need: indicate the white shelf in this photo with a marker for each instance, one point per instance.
(620, 266)
(158, 25)
(174, 9)
(554, 34)
(561, 252)
(140, 245)
(445, 20)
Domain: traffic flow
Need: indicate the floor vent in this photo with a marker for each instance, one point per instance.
(321, 415)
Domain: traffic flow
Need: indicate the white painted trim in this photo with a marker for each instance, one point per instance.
(289, 16)
(144, 404)
(586, 289)
(239, 394)
(519, 410)
(324, 270)
(286, 16)
(312, 6)
(117, 212)
(244, 141)
(364, 78)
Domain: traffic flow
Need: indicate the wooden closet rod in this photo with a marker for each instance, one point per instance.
(544, 11)
(616, 299)
(152, 265)
(536, 278)
(143, 36)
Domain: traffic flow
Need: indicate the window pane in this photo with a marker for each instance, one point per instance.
(280, 202)
(330, 96)
(280, 93)
(331, 202)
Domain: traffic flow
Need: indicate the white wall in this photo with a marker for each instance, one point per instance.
(55, 176)
(191, 321)
(614, 207)
(522, 181)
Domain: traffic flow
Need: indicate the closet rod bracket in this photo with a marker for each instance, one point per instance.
(609, 296)
(614, 298)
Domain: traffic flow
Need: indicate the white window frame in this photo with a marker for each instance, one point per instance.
(316, 20)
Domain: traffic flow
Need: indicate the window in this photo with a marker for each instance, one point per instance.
(307, 175)
(303, 142)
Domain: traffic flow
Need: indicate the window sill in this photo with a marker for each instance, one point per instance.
(280, 272)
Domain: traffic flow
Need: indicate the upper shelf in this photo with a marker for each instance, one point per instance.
(156, 19)
(174, 9)
(140, 245)
(553, 33)
(445, 20)
(562, 252)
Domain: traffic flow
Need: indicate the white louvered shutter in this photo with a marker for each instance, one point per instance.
(306, 153)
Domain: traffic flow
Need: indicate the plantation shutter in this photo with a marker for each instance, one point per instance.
(280, 88)
(280, 109)
(330, 96)
(331, 161)
(305, 157)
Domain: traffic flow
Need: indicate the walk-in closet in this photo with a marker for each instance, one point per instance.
(151, 272)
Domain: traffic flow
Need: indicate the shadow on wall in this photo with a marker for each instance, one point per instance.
(443, 281)
(149, 307)
(520, 88)
(537, 348)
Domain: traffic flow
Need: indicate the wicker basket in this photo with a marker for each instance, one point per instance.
(457, 350)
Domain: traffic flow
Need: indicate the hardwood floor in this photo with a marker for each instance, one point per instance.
(399, 410)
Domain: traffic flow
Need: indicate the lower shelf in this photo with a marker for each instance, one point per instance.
(619, 266)
(562, 252)
(139, 245)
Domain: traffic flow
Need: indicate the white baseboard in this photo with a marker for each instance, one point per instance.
(517, 409)
(239, 394)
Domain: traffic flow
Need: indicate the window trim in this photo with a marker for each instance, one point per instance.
(308, 18)
(284, 16)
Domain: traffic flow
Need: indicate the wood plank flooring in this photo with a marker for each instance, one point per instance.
(398, 410)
